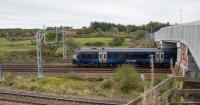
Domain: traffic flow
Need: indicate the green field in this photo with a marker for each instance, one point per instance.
(7, 46)
(92, 40)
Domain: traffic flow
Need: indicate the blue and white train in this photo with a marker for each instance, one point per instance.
(116, 56)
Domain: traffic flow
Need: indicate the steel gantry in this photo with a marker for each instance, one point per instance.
(40, 35)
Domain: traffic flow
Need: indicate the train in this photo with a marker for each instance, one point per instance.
(115, 56)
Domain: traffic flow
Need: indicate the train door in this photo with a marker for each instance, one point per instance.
(102, 57)
(157, 57)
(161, 57)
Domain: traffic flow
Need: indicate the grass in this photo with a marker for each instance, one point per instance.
(73, 84)
(91, 40)
(82, 41)
(7, 46)
(67, 85)
(5, 42)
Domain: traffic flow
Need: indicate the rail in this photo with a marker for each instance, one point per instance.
(70, 68)
(45, 99)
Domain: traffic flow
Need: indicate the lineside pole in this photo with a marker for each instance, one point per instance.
(56, 34)
(39, 55)
(153, 97)
(152, 71)
(1, 74)
(64, 44)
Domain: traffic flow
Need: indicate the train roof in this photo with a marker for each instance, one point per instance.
(117, 49)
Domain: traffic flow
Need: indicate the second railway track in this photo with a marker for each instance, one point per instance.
(39, 99)
(57, 68)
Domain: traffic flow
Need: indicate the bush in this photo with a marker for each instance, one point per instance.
(117, 40)
(107, 84)
(49, 50)
(85, 31)
(9, 80)
(127, 78)
(32, 87)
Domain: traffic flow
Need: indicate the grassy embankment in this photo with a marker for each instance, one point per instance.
(125, 84)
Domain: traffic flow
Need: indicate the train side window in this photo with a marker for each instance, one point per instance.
(100, 56)
(89, 55)
(157, 56)
(113, 55)
(162, 56)
(121, 56)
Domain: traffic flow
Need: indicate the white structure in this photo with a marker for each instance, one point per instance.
(188, 33)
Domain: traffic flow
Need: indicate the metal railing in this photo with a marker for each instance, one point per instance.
(165, 90)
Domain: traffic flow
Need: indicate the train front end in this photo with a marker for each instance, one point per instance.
(75, 58)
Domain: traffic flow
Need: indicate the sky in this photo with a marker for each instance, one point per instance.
(78, 13)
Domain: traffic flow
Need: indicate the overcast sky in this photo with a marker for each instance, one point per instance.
(78, 13)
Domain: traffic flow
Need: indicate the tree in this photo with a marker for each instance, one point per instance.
(152, 27)
(71, 47)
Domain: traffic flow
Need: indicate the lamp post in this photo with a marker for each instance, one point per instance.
(181, 11)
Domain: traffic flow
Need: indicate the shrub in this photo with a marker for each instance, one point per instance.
(117, 40)
(9, 80)
(107, 84)
(127, 78)
(32, 87)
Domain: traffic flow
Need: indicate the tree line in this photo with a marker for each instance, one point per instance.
(95, 27)
(106, 26)
(17, 32)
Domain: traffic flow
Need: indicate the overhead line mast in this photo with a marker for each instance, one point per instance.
(40, 34)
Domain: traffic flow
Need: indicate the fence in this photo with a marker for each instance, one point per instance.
(165, 90)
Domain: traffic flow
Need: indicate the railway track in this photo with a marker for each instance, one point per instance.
(58, 68)
(34, 99)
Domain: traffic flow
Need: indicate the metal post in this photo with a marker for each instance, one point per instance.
(181, 15)
(44, 34)
(1, 74)
(7, 35)
(152, 71)
(171, 67)
(145, 88)
(153, 97)
(56, 34)
(39, 55)
(64, 44)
